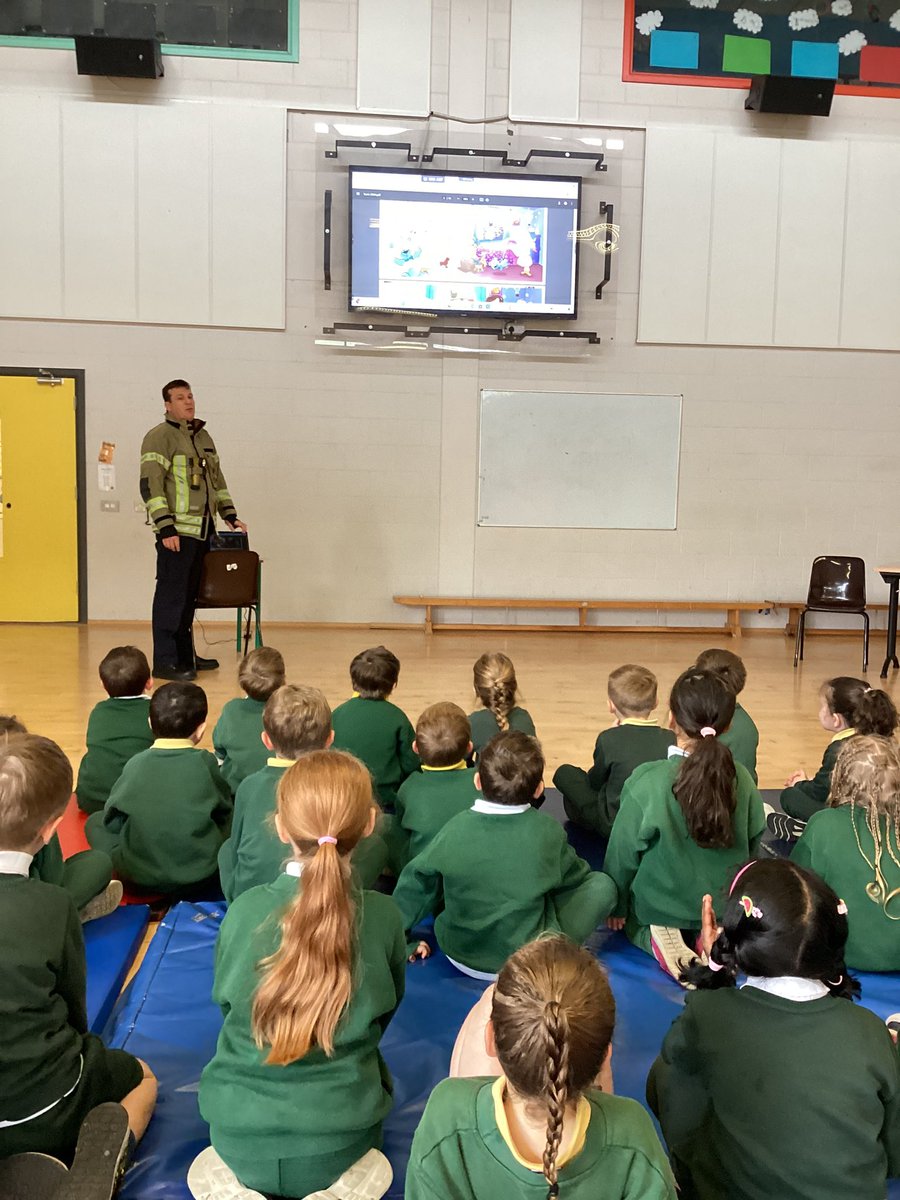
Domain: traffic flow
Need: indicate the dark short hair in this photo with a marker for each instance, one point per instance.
(374, 673)
(443, 734)
(177, 709)
(35, 786)
(124, 671)
(261, 672)
(726, 665)
(511, 766)
(174, 383)
(10, 726)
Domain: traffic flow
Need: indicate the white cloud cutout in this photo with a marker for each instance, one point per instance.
(895, 21)
(803, 18)
(649, 21)
(704, 3)
(842, 8)
(750, 22)
(852, 42)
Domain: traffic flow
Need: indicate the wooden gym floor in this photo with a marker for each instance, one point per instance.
(48, 677)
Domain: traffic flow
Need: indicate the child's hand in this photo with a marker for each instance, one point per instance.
(797, 777)
(709, 926)
(617, 923)
(423, 950)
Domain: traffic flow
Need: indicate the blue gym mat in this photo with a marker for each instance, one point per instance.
(168, 1018)
(110, 946)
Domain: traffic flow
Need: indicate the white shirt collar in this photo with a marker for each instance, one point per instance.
(488, 806)
(676, 752)
(15, 862)
(142, 696)
(788, 987)
(294, 868)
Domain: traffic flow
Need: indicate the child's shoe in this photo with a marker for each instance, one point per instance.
(101, 1155)
(368, 1179)
(103, 904)
(209, 1178)
(781, 826)
(671, 952)
(35, 1176)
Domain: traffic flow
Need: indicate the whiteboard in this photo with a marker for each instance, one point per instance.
(578, 460)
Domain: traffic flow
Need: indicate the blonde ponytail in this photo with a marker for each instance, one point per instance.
(495, 686)
(324, 806)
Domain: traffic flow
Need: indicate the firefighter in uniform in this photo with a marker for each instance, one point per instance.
(183, 487)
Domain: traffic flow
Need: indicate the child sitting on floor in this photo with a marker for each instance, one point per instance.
(551, 1026)
(496, 687)
(170, 811)
(296, 720)
(118, 728)
(445, 786)
(684, 825)
(374, 730)
(52, 1071)
(237, 737)
(309, 972)
(781, 1087)
(503, 871)
(591, 798)
(86, 876)
(854, 845)
(742, 736)
(847, 706)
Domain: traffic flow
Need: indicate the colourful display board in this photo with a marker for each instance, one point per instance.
(720, 43)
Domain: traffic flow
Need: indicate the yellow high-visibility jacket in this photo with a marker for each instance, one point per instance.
(181, 479)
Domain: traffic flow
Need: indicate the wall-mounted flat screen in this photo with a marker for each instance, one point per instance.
(468, 244)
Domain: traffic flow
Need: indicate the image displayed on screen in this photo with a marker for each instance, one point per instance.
(467, 244)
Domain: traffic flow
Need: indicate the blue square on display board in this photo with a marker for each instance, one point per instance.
(673, 48)
(814, 60)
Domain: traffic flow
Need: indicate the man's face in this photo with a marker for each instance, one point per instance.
(180, 404)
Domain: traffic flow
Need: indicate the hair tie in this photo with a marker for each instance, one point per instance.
(327, 838)
(707, 731)
(835, 982)
(842, 908)
(714, 966)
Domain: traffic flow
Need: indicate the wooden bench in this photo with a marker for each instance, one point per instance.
(731, 608)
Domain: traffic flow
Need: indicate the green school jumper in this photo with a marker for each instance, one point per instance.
(462, 1151)
(425, 803)
(761, 1097)
(742, 739)
(294, 1129)
(811, 795)
(46, 1050)
(254, 854)
(117, 730)
(166, 817)
(237, 740)
(591, 798)
(503, 878)
(828, 847)
(380, 735)
(660, 871)
(484, 725)
(84, 875)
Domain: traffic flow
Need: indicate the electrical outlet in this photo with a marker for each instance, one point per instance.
(109, 506)
(137, 507)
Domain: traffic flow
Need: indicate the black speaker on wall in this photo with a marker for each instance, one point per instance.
(132, 58)
(789, 94)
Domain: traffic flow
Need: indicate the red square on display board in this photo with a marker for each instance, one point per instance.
(879, 64)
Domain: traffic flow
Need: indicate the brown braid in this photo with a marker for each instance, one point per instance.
(556, 1030)
(495, 686)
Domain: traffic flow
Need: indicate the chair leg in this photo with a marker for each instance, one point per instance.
(798, 638)
(865, 642)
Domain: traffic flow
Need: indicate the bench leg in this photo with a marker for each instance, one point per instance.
(429, 627)
(734, 622)
(790, 630)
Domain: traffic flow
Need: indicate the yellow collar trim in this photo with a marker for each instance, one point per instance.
(280, 762)
(460, 766)
(173, 744)
(582, 1120)
(845, 733)
(639, 721)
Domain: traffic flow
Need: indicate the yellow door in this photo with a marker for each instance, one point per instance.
(39, 521)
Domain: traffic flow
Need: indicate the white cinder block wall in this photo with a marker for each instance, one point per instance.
(355, 467)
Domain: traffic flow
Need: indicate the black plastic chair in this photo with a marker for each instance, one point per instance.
(836, 585)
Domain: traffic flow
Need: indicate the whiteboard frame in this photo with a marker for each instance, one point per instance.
(487, 523)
